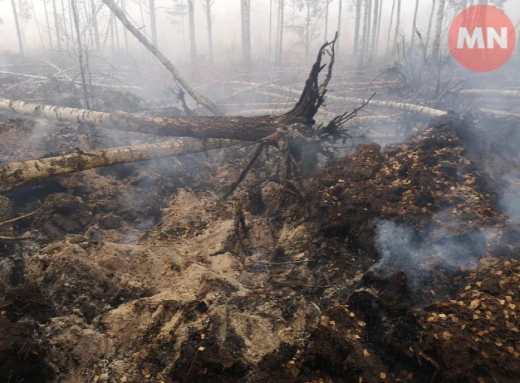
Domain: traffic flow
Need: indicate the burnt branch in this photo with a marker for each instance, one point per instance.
(313, 95)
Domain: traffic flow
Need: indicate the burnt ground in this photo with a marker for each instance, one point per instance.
(395, 265)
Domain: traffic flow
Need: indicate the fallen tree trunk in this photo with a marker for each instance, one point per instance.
(401, 106)
(491, 92)
(207, 103)
(31, 170)
(57, 76)
(238, 128)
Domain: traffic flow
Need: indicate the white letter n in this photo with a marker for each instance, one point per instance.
(493, 36)
(477, 37)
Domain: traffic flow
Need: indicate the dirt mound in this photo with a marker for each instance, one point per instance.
(398, 266)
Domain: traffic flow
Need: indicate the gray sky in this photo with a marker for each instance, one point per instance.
(226, 15)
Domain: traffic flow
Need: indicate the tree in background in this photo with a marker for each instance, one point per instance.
(306, 31)
(438, 29)
(18, 31)
(357, 26)
(56, 24)
(245, 11)
(414, 24)
(180, 11)
(153, 23)
(279, 43)
(207, 5)
(191, 19)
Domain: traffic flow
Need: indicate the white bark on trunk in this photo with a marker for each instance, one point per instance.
(31, 170)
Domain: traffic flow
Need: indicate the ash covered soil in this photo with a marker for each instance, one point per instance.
(390, 265)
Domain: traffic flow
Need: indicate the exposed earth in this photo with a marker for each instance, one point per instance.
(397, 264)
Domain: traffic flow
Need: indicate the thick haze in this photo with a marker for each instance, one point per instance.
(226, 19)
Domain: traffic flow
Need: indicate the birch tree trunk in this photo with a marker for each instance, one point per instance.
(31, 170)
(390, 28)
(80, 55)
(245, 10)
(414, 26)
(205, 102)
(438, 30)
(209, 26)
(430, 24)
(18, 32)
(357, 27)
(56, 24)
(153, 23)
(191, 22)
(235, 127)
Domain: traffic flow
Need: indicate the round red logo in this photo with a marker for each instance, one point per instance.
(482, 38)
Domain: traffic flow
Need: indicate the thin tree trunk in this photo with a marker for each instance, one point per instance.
(153, 23)
(191, 19)
(270, 28)
(357, 27)
(18, 32)
(48, 24)
(209, 25)
(80, 55)
(438, 30)
(31, 170)
(374, 28)
(366, 31)
(56, 24)
(327, 19)
(430, 24)
(340, 15)
(233, 127)
(38, 27)
(245, 10)
(378, 37)
(281, 28)
(368, 27)
(125, 33)
(397, 24)
(112, 38)
(307, 29)
(116, 33)
(95, 23)
(65, 30)
(390, 28)
(414, 27)
(208, 104)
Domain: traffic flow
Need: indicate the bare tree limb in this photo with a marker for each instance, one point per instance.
(207, 103)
